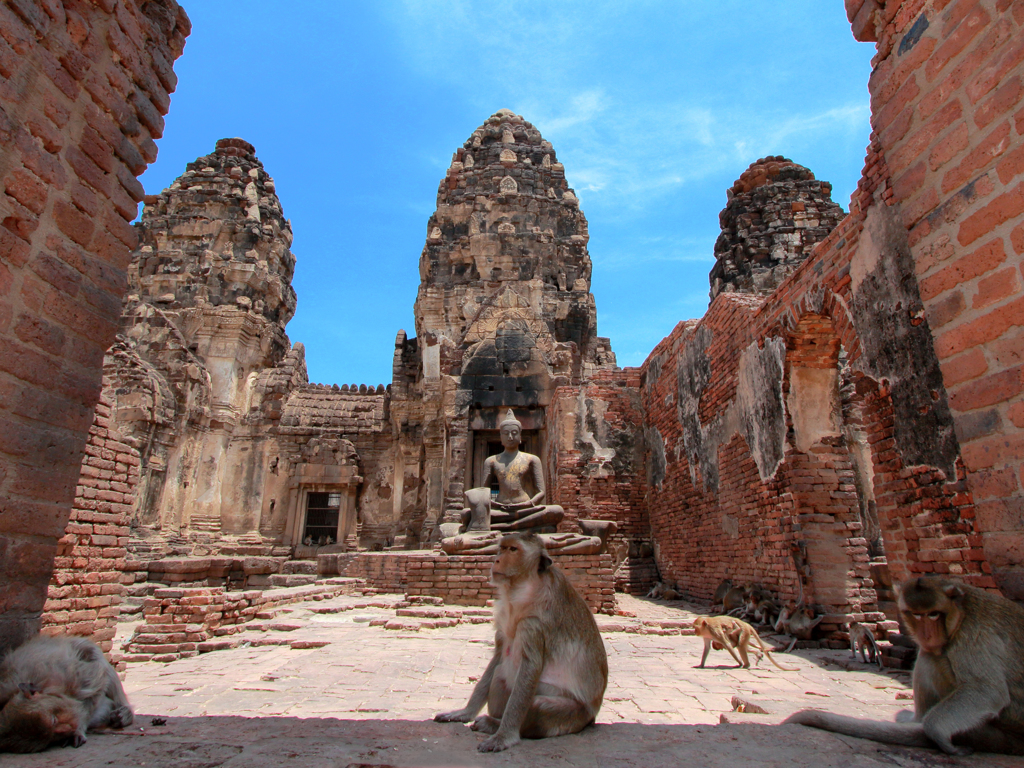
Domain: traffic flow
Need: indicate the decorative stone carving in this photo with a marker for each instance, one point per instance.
(508, 186)
(507, 156)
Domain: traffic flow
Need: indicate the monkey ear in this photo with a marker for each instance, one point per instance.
(544, 561)
(953, 591)
(30, 690)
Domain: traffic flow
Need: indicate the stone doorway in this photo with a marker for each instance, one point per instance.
(323, 513)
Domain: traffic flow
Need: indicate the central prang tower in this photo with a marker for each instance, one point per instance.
(504, 316)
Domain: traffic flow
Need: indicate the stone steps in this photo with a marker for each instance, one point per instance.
(299, 566)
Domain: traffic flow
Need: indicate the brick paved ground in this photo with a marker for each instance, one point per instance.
(317, 685)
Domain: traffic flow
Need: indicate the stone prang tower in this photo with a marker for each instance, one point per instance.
(777, 212)
(504, 315)
(209, 296)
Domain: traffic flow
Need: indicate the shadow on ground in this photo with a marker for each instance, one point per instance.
(238, 742)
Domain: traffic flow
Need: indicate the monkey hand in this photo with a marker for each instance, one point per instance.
(455, 716)
(77, 740)
(499, 742)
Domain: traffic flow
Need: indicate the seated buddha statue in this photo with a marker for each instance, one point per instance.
(486, 520)
(515, 471)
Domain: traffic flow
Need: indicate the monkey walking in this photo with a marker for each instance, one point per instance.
(54, 689)
(735, 636)
(549, 670)
(968, 678)
(863, 638)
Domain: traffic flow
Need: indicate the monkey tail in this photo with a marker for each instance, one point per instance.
(766, 652)
(902, 734)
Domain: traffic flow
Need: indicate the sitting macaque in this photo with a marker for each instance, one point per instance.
(734, 600)
(54, 689)
(733, 635)
(549, 670)
(720, 593)
(802, 621)
(968, 678)
(766, 611)
(864, 639)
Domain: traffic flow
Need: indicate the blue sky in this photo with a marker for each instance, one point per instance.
(654, 107)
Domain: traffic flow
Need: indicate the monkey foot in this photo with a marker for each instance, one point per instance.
(498, 743)
(485, 724)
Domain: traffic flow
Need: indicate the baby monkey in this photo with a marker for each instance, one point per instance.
(549, 670)
(54, 689)
(735, 636)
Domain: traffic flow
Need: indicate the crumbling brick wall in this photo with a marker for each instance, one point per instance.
(746, 484)
(88, 571)
(83, 89)
(947, 112)
(596, 453)
(917, 291)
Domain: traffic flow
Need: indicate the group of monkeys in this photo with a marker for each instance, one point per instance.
(549, 670)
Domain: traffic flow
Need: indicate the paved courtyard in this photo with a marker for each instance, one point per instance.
(329, 684)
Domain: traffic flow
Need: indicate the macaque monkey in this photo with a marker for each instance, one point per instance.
(721, 592)
(662, 591)
(54, 689)
(549, 670)
(782, 622)
(733, 635)
(864, 639)
(968, 679)
(734, 600)
(766, 611)
(801, 623)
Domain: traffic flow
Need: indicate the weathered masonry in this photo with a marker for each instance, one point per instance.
(83, 92)
(847, 413)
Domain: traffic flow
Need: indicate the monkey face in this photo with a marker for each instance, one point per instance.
(931, 612)
(510, 559)
(519, 556)
(39, 719)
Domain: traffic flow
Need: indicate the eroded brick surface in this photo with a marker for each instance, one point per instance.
(83, 92)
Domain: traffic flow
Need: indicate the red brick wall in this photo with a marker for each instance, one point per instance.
(723, 518)
(88, 571)
(464, 580)
(83, 89)
(605, 482)
(947, 98)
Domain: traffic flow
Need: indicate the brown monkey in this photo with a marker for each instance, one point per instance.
(734, 600)
(721, 592)
(766, 611)
(662, 591)
(549, 670)
(801, 622)
(968, 679)
(54, 689)
(734, 636)
(863, 638)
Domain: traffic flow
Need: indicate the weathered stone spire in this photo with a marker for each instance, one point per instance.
(217, 237)
(507, 220)
(777, 212)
